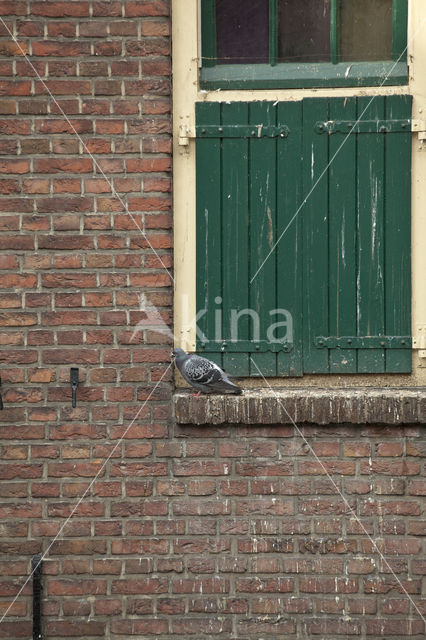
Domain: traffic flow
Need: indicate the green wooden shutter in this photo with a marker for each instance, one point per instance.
(356, 231)
(342, 267)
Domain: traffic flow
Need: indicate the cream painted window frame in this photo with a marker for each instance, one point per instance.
(186, 92)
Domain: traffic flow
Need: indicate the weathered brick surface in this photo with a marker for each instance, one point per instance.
(207, 534)
(150, 529)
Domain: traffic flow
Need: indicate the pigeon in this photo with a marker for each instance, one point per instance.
(202, 374)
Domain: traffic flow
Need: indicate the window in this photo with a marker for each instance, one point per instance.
(303, 43)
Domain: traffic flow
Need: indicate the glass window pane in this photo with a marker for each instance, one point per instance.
(365, 30)
(304, 31)
(242, 31)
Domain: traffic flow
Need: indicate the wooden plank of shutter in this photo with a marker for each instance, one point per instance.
(235, 235)
(315, 235)
(262, 181)
(370, 251)
(289, 229)
(209, 249)
(342, 215)
(398, 235)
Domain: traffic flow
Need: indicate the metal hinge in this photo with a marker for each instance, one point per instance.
(185, 133)
(366, 342)
(245, 346)
(419, 340)
(419, 126)
(363, 126)
(242, 131)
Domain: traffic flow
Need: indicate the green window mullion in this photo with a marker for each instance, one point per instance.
(334, 35)
(399, 28)
(208, 33)
(273, 32)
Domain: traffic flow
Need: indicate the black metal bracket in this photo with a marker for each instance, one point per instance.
(74, 385)
(36, 571)
(1, 399)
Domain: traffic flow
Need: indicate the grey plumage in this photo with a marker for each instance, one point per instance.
(202, 374)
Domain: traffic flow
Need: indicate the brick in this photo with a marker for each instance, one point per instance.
(390, 486)
(11, 339)
(356, 449)
(397, 628)
(9, 185)
(66, 185)
(317, 468)
(69, 49)
(76, 587)
(68, 300)
(201, 507)
(71, 223)
(146, 165)
(55, 165)
(265, 545)
(140, 586)
(95, 107)
(35, 146)
(126, 107)
(200, 585)
(7, 107)
(14, 166)
(389, 449)
(277, 506)
(33, 107)
(107, 8)
(10, 301)
(15, 87)
(59, 318)
(112, 48)
(324, 507)
(264, 468)
(64, 29)
(416, 449)
(396, 507)
(93, 29)
(123, 28)
(203, 468)
(58, 10)
(18, 629)
(155, 28)
(417, 487)
(393, 468)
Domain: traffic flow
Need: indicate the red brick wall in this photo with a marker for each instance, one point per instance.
(185, 532)
(73, 265)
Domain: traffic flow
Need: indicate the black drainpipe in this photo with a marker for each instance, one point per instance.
(36, 571)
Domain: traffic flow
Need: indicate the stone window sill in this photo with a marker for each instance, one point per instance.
(315, 406)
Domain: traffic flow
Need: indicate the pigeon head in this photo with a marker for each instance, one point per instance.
(178, 354)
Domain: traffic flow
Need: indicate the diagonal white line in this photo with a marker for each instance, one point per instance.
(80, 500)
(334, 157)
(352, 512)
(95, 162)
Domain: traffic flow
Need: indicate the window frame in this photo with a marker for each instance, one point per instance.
(282, 75)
